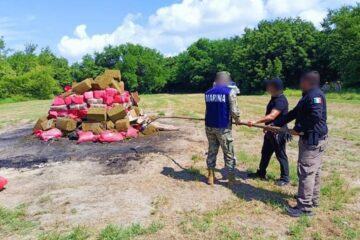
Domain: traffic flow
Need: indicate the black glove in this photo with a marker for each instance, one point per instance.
(284, 135)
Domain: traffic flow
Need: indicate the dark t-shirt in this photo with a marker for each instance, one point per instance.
(279, 103)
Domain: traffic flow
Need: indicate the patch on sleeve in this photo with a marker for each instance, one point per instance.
(317, 100)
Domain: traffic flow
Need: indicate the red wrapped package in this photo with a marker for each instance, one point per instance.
(3, 182)
(82, 113)
(62, 113)
(99, 93)
(87, 137)
(108, 100)
(132, 133)
(110, 92)
(108, 136)
(67, 88)
(50, 134)
(77, 99)
(88, 95)
(58, 101)
(67, 100)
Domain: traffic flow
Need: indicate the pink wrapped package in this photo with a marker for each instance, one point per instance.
(67, 100)
(110, 92)
(99, 93)
(132, 133)
(77, 99)
(108, 100)
(87, 137)
(50, 134)
(88, 95)
(58, 101)
(52, 114)
(108, 136)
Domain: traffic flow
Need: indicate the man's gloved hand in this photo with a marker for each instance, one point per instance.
(284, 135)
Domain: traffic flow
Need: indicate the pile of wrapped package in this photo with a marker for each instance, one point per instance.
(95, 110)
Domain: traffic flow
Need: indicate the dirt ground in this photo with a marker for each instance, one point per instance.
(156, 178)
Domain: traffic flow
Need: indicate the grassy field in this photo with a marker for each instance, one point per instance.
(239, 216)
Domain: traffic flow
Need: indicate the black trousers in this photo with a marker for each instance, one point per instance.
(270, 146)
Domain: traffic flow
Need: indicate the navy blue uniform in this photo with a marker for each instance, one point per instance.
(218, 107)
(311, 115)
(271, 145)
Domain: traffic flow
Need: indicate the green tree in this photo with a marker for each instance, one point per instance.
(283, 47)
(142, 68)
(342, 43)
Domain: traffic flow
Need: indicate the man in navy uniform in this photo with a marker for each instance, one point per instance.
(221, 109)
(310, 116)
(277, 107)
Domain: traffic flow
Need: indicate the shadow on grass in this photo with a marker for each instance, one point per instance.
(242, 190)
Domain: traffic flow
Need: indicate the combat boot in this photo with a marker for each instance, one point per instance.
(211, 177)
(231, 179)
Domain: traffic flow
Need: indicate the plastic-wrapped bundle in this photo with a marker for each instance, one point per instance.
(108, 136)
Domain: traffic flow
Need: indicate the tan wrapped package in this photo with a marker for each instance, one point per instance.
(113, 74)
(49, 124)
(38, 124)
(66, 94)
(97, 114)
(83, 86)
(96, 128)
(117, 113)
(66, 124)
(102, 82)
(139, 111)
(122, 125)
(110, 125)
(119, 86)
(135, 98)
(149, 130)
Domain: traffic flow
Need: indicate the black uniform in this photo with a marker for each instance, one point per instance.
(310, 114)
(271, 145)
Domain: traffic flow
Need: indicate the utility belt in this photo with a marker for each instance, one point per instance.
(313, 138)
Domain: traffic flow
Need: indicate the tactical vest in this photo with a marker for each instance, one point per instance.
(217, 107)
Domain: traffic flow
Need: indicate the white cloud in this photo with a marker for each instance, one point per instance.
(172, 28)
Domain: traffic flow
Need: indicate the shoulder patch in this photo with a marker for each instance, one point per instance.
(317, 100)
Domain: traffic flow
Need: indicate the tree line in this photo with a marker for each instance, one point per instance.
(278, 48)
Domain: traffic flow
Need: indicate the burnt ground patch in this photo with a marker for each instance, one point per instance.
(20, 149)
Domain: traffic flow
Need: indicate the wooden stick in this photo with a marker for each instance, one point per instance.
(268, 128)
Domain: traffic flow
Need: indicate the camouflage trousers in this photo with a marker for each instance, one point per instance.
(220, 137)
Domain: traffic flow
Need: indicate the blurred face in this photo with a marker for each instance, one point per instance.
(304, 84)
(271, 90)
(223, 80)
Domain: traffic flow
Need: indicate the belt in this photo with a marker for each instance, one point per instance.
(324, 137)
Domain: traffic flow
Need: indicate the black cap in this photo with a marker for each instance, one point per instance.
(276, 82)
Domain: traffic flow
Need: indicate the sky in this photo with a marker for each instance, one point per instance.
(74, 28)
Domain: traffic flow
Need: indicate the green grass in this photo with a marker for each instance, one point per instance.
(336, 192)
(113, 232)
(14, 221)
(296, 231)
(77, 233)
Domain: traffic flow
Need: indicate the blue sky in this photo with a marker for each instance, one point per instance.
(74, 28)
